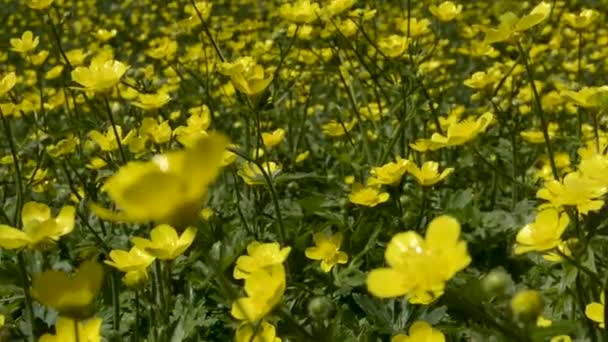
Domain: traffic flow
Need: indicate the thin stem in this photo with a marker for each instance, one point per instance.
(539, 110)
(116, 134)
(207, 32)
(136, 328)
(28, 298)
(13, 148)
(115, 303)
(76, 332)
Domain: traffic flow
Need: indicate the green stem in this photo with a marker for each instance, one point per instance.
(539, 110)
(136, 328)
(26, 291)
(19, 180)
(76, 332)
(115, 303)
(115, 130)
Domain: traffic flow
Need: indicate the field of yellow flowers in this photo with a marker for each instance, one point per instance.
(303, 170)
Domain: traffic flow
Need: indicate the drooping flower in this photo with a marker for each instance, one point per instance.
(544, 233)
(327, 249)
(420, 331)
(39, 227)
(169, 188)
(428, 174)
(419, 267)
(99, 76)
(65, 331)
(164, 243)
(259, 255)
(71, 296)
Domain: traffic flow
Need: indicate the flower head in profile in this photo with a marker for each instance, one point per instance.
(132, 260)
(420, 331)
(88, 331)
(389, 173)
(428, 174)
(247, 76)
(39, 4)
(100, 76)
(265, 332)
(574, 190)
(264, 289)
(300, 11)
(252, 174)
(544, 233)
(271, 139)
(327, 249)
(583, 20)
(39, 228)
(259, 255)
(368, 196)
(419, 267)
(71, 295)
(446, 11)
(152, 101)
(164, 243)
(7, 82)
(459, 133)
(167, 189)
(510, 25)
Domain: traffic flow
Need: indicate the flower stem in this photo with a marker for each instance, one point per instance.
(26, 290)
(13, 148)
(116, 135)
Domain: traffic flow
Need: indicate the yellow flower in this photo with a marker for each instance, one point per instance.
(574, 190)
(389, 173)
(428, 174)
(327, 249)
(246, 75)
(510, 25)
(587, 97)
(273, 138)
(136, 279)
(260, 255)
(481, 80)
(71, 296)
(104, 35)
(265, 332)
(527, 305)
(462, 132)
(561, 338)
(7, 83)
(536, 136)
(164, 243)
(26, 43)
(252, 174)
(393, 46)
(167, 189)
(446, 11)
(151, 101)
(301, 12)
(583, 20)
(417, 267)
(264, 289)
(39, 227)
(195, 128)
(99, 76)
(420, 331)
(302, 157)
(65, 331)
(159, 132)
(337, 129)
(39, 4)
(595, 311)
(369, 196)
(544, 233)
(133, 260)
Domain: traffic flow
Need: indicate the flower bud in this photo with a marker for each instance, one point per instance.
(527, 305)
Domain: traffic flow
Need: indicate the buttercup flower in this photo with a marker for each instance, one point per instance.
(389, 173)
(252, 174)
(99, 76)
(38, 227)
(327, 249)
(459, 133)
(259, 255)
(446, 11)
(266, 332)
(510, 25)
(271, 139)
(247, 76)
(544, 233)
(25, 44)
(151, 101)
(420, 267)
(164, 244)
(428, 174)
(7, 83)
(71, 296)
(300, 11)
(65, 331)
(575, 190)
(369, 196)
(127, 261)
(264, 289)
(420, 331)
(167, 189)
(39, 4)
(595, 311)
